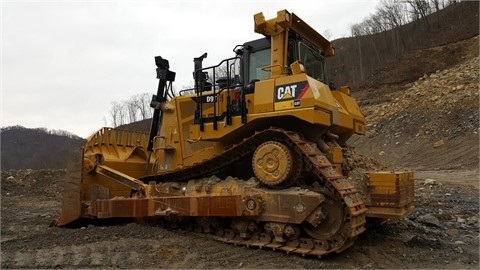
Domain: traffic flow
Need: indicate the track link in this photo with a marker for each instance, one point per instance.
(326, 178)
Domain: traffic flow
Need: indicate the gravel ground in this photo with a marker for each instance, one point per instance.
(443, 232)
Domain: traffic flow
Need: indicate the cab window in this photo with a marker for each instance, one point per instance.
(257, 61)
(314, 62)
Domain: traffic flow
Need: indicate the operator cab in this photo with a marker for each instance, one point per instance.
(238, 75)
(257, 60)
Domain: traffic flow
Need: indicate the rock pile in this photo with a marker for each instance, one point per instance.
(443, 102)
(28, 181)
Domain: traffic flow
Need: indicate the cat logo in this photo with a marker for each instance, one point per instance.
(290, 91)
(286, 92)
(288, 96)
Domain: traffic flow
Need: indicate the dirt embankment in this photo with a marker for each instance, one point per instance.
(429, 124)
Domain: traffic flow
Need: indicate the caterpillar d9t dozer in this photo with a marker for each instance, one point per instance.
(252, 155)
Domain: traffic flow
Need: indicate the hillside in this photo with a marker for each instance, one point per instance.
(431, 123)
(421, 103)
(26, 148)
(357, 58)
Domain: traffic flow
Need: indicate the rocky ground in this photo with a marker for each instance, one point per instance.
(443, 232)
(429, 124)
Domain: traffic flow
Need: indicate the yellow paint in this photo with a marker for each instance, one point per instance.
(181, 142)
(391, 194)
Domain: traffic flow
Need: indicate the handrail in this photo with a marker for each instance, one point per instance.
(213, 91)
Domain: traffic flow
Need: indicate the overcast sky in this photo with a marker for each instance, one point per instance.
(64, 62)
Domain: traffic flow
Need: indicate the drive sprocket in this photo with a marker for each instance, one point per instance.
(275, 164)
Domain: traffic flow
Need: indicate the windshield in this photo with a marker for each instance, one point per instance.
(314, 62)
(258, 60)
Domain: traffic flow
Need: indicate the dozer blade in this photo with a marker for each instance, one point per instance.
(71, 202)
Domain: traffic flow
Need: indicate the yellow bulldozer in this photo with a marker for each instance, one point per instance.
(251, 155)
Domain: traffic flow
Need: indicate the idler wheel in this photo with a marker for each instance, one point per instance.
(273, 165)
(330, 222)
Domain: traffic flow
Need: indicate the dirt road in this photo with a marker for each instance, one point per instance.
(443, 232)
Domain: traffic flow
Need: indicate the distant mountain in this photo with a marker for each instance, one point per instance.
(39, 148)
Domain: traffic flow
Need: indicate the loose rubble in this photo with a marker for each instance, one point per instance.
(431, 123)
(441, 233)
(451, 93)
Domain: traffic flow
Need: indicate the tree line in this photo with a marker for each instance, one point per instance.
(57, 132)
(135, 108)
(391, 14)
(397, 27)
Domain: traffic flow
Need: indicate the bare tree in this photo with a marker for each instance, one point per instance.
(355, 30)
(378, 23)
(143, 105)
(392, 13)
(327, 34)
(131, 106)
(389, 14)
(420, 9)
(393, 16)
(362, 28)
(436, 4)
(117, 113)
(136, 108)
